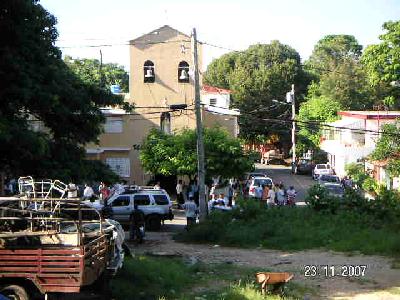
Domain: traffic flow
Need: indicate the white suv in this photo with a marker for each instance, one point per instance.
(155, 204)
(321, 169)
(259, 181)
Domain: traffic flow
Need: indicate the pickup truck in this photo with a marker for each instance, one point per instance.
(55, 245)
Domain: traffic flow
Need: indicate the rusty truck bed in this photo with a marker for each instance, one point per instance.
(56, 268)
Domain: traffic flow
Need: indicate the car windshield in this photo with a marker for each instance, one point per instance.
(329, 178)
(322, 167)
(261, 182)
(304, 162)
(257, 175)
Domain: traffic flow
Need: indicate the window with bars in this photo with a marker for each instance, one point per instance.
(119, 165)
(113, 125)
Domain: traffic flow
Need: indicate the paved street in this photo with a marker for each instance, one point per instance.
(283, 173)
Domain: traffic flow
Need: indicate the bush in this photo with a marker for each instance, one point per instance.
(298, 228)
(357, 173)
(319, 199)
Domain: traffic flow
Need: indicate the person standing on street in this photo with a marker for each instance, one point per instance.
(190, 211)
(280, 195)
(265, 193)
(88, 192)
(72, 191)
(291, 196)
(179, 193)
(137, 221)
(258, 192)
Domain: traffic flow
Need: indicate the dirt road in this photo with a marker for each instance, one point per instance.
(380, 281)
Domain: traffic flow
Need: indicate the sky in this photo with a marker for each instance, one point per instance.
(232, 24)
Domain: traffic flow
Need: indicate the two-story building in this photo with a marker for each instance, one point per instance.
(161, 77)
(354, 137)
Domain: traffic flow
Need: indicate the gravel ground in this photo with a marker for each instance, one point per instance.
(380, 281)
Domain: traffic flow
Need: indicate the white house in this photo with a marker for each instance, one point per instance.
(354, 136)
(216, 102)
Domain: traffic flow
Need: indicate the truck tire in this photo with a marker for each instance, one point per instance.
(14, 292)
(153, 222)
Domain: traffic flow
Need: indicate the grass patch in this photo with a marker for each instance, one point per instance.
(146, 278)
(299, 228)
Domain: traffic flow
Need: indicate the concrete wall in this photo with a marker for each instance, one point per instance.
(229, 123)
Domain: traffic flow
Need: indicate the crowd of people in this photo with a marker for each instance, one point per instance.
(222, 197)
(275, 195)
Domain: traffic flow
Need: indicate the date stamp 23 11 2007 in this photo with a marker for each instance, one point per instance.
(335, 270)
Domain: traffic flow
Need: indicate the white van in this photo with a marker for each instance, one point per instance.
(321, 169)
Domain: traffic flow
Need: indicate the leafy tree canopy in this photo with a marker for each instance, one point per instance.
(331, 51)
(383, 60)
(37, 84)
(335, 64)
(313, 112)
(256, 76)
(89, 71)
(176, 154)
(382, 64)
(388, 148)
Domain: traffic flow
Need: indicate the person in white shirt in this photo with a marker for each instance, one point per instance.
(179, 193)
(280, 195)
(87, 192)
(190, 211)
(258, 192)
(271, 197)
(72, 190)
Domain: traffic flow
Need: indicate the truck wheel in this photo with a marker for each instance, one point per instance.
(14, 292)
(153, 223)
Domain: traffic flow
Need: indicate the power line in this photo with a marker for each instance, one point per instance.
(124, 44)
(187, 41)
(321, 125)
(220, 47)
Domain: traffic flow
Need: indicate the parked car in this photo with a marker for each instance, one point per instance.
(259, 181)
(303, 166)
(256, 174)
(323, 179)
(321, 169)
(155, 204)
(335, 189)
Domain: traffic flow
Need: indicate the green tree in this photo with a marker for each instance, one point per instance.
(388, 148)
(176, 154)
(37, 84)
(382, 63)
(89, 71)
(312, 113)
(256, 76)
(331, 51)
(335, 65)
(383, 60)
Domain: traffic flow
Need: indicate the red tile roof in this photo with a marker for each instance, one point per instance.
(371, 114)
(214, 90)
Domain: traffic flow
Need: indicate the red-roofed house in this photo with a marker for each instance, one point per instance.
(354, 137)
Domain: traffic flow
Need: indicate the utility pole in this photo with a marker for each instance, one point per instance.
(199, 128)
(101, 70)
(292, 98)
